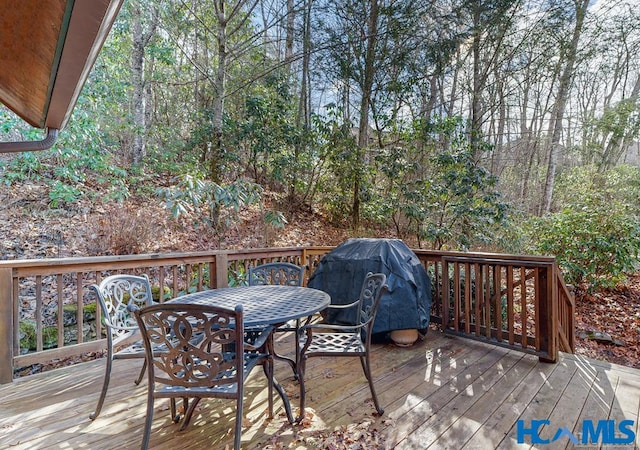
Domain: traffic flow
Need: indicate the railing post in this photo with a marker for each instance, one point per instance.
(6, 326)
(547, 297)
(445, 294)
(222, 270)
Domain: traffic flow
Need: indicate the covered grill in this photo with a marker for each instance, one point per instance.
(406, 305)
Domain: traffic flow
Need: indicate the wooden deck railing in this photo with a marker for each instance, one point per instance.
(509, 300)
(490, 297)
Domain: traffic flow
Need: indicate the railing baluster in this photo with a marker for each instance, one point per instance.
(510, 315)
(478, 296)
(536, 310)
(175, 281)
(39, 345)
(468, 304)
(497, 295)
(523, 305)
(60, 294)
(160, 284)
(16, 316)
(486, 300)
(456, 296)
(80, 305)
(445, 295)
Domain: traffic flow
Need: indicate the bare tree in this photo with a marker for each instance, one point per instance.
(143, 30)
(568, 61)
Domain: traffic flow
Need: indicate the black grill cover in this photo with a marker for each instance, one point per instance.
(407, 304)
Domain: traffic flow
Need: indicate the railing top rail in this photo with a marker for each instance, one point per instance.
(500, 261)
(60, 265)
(484, 256)
(180, 256)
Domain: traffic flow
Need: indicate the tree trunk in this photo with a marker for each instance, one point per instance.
(217, 150)
(363, 124)
(564, 86)
(140, 39)
(478, 82)
(496, 162)
(288, 51)
(303, 119)
(138, 149)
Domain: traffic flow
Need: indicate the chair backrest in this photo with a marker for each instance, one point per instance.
(372, 289)
(191, 345)
(115, 293)
(279, 273)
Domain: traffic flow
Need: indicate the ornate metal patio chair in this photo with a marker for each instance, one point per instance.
(115, 293)
(345, 340)
(215, 366)
(284, 274)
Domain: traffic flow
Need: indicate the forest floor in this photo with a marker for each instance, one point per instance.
(607, 321)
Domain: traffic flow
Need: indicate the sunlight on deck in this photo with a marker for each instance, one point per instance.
(441, 393)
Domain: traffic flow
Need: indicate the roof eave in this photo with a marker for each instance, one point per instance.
(89, 25)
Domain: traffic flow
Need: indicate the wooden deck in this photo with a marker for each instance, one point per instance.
(444, 392)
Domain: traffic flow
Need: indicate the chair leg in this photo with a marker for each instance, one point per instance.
(172, 409)
(366, 366)
(267, 366)
(189, 413)
(148, 420)
(142, 371)
(301, 370)
(238, 430)
(175, 415)
(105, 386)
(185, 407)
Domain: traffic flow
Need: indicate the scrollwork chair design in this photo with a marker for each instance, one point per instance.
(215, 365)
(353, 340)
(116, 294)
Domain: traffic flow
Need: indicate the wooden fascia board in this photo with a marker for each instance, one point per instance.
(88, 28)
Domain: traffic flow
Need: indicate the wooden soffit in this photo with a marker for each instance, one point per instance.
(47, 49)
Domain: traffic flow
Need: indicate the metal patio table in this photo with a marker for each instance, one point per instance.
(264, 305)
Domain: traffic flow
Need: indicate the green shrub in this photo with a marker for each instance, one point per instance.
(166, 293)
(61, 193)
(595, 242)
(28, 336)
(448, 200)
(619, 184)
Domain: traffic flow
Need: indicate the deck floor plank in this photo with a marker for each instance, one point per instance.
(543, 404)
(429, 399)
(477, 382)
(499, 422)
(443, 392)
(628, 403)
(570, 404)
(471, 421)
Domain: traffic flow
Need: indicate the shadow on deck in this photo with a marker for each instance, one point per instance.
(444, 392)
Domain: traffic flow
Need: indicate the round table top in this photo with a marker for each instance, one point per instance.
(266, 304)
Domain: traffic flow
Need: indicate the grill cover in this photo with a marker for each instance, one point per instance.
(407, 303)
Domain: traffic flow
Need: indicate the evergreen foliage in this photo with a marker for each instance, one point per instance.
(446, 121)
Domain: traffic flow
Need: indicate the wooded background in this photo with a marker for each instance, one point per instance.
(503, 124)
